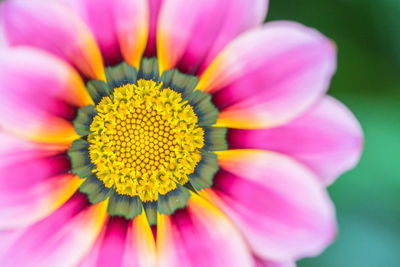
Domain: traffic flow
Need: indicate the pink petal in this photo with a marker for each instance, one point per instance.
(123, 243)
(3, 41)
(50, 26)
(190, 33)
(109, 247)
(279, 206)
(200, 236)
(270, 75)
(154, 8)
(263, 263)
(119, 26)
(327, 139)
(141, 247)
(39, 95)
(61, 239)
(33, 181)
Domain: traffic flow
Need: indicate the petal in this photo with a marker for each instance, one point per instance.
(33, 181)
(269, 75)
(61, 239)
(327, 139)
(3, 40)
(29, 205)
(279, 206)
(123, 243)
(109, 247)
(154, 9)
(119, 26)
(263, 263)
(39, 95)
(50, 26)
(200, 236)
(141, 246)
(190, 32)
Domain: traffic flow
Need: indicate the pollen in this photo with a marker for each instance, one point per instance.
(144, 140)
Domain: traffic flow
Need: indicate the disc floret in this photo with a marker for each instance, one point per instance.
(144, 140)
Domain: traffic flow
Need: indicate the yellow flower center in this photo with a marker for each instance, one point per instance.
(144, 140)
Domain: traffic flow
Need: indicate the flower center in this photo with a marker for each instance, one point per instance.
(144, 140)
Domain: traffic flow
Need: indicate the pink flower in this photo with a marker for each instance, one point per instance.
(166, 133)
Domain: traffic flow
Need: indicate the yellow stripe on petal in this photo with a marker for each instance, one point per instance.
(210, 82)
(243, 119)
(92, 54)
(200, 205)
(239, 154)
(162, 49)
(60, 195)
(57, 131)
(144, 241)
(98, 215)
(133, 54)
(78, 94)
(164, 237)
(132, 26)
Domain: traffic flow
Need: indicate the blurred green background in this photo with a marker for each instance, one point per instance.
(367, 199)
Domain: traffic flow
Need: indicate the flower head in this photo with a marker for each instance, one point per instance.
(166, 133)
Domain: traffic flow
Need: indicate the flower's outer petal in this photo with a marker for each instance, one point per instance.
(154, 11)
(141, 245)
(282, 210)
(123, 243)
(3, 41)
(200, 236)
(50, 26)
(190, 33)
(119, 26)
(20, 207)
(269, 75)
(33, 181)
(110, 245)
(327, 139)
(61, 239)
(265, 263)
(39, 95)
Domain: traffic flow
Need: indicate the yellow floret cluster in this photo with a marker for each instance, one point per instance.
(144, 140)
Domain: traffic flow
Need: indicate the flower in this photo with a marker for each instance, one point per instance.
(167, 133)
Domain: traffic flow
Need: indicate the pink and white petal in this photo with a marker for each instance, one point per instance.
(123, 243)
(263, 263)
(281, 209)
(25, 206)
(110, 245)
(190, 32)
(327, 139)
(119, 26)
(33, 181)
(200, 236)
(50, 26)
(3, 40)
(154, 11)
(13, 149)
(61, 239)
(39, 95)
(270, 75)
(141, 246)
